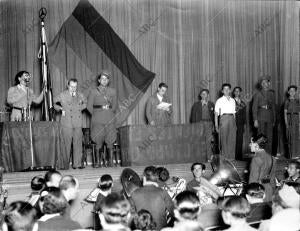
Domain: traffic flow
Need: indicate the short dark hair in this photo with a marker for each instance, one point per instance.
(162, 85)
(238, 206)
(255, 190)
(163, 174)
(237, 87)
(20, 215)
(296, 163)
(72, 80)
(261, 140)
(49, 174)
(67, 182)
(115, 208)
(143, 221)
(54, 202)
(19, 75)
(226, 85)
(292, 86)
(198, 163)
(37, 183)
(206, 90)
(150, 173)
(105, 182)
(187, 196)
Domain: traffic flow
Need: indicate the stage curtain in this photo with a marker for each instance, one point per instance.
(188, 44)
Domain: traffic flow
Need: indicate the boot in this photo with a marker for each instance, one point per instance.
(110, 157)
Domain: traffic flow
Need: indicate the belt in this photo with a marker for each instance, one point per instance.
(101, 106)
(293, 113)
(18, 108)
(227, 114)
(266, 107)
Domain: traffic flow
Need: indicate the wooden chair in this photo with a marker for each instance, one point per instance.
(88, 144)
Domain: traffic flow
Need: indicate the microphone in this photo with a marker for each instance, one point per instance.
(42, 13)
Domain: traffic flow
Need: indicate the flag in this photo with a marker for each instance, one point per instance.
(86, 44)
(47, 108)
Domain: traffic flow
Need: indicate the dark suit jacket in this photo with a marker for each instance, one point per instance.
(154, 199)
(58, 223)
(160, 117)
(262, 98)
(260, 211)
(196, 113)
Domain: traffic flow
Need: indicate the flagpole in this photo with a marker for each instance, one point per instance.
(47, 91)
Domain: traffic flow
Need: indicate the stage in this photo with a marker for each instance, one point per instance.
(19, 182)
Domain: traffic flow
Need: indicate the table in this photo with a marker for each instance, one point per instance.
(48, 145)
(159, 145)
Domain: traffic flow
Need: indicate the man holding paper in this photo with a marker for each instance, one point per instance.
(158, 107)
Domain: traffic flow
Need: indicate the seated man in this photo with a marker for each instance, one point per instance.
(173, 185)
(206, 191)
(52, 178)
(152, 198)
(293, 171)
(20, 215)
(37, 184)
(186, 212)
(259, 210)
(284, 198)
(114, 212)
(234, 212)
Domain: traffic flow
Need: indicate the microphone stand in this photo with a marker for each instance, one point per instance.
(30, 130)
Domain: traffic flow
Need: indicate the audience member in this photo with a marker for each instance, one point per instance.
(52, 178)
(286, 220)
(143, 221)
(114, 212)
(104, 189)
(262, 168)
(234, 212)
(186, 211)
(206, 191)
(69, 186)
(259, 210)
(54, 206)
(173, 185)
(152, 198)
(283, 198)
(20, 216)
(293, 171)
(37, 184)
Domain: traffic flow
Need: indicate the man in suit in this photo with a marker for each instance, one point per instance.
(71, 103)
(102, 105)
(264, 111)
(203, 111)
(159, 115)
(152, 198)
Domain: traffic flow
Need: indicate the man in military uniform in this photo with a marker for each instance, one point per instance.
(71, 103)
(20, 96)
(264, 111)
(102, 104)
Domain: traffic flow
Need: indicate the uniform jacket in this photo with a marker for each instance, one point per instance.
(160, 117)
(154, 199)
(196, 113)
(260, 99)
(101, 98)
(72, 106)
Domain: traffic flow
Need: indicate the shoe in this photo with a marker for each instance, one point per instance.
(74, 167)
(81, 167)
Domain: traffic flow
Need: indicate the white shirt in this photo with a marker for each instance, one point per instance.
(160, 98)
(225, 106)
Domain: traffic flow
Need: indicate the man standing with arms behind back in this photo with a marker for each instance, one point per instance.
(264, 111)
(71, 105)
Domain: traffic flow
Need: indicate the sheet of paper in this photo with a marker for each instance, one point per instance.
(163, 105)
